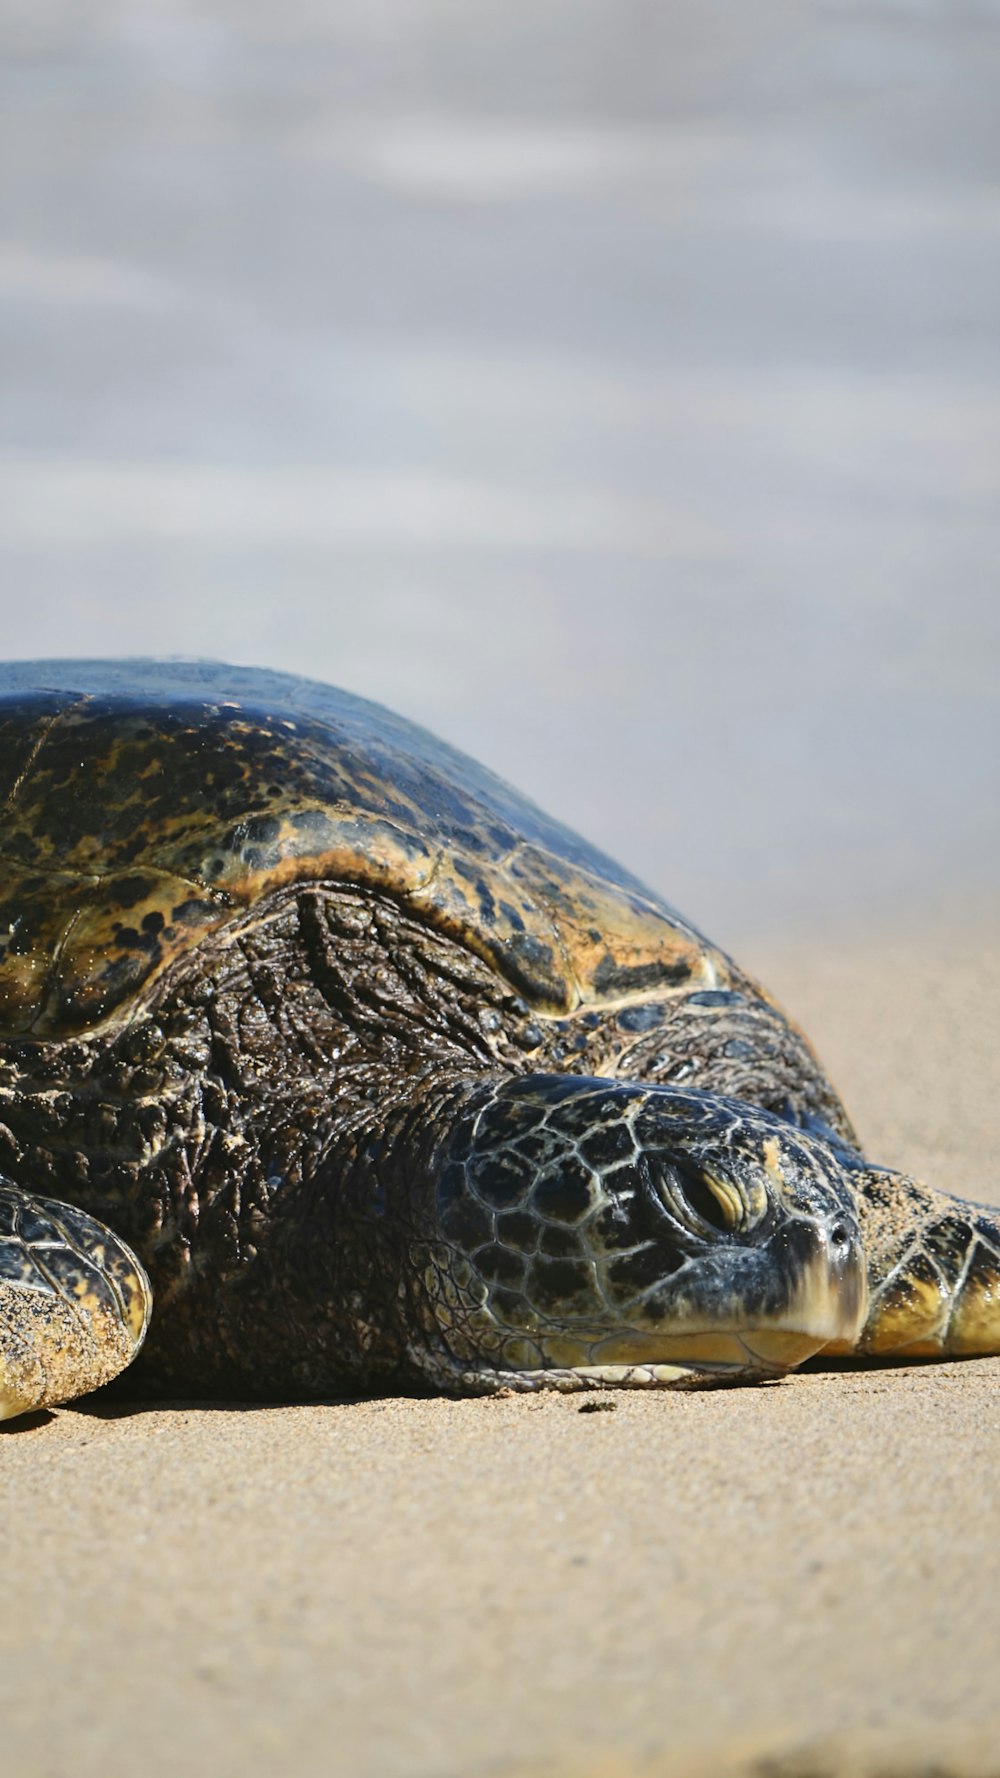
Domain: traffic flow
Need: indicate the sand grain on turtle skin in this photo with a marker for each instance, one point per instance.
(328, 1063)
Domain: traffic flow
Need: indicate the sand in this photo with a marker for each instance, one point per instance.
(787, 1581)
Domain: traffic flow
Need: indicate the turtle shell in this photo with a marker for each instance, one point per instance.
(145, 805)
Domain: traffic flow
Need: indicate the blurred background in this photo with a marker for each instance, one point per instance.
(611, 385)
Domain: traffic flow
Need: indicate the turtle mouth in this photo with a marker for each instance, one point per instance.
(768, 1350)
(632, 1359)
(637, 1360)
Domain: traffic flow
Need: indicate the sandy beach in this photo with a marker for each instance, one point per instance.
(790, 1580)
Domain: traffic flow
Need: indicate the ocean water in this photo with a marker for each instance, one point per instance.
(612, 387)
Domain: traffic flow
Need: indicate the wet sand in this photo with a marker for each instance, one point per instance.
(788, 1580)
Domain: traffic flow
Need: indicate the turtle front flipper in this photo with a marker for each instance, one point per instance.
(933, 1270)
(74, 1303)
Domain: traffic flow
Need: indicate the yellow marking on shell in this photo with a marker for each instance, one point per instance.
(564, 936)
(23, 972)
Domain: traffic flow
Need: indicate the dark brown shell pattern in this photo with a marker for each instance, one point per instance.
(145, 805)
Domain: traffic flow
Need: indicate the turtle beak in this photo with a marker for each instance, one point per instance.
(824, 1300)
(828, 1298)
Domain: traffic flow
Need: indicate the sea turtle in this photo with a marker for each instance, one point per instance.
(383, 1080)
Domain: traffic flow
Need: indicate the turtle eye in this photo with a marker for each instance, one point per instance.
(697, 1199)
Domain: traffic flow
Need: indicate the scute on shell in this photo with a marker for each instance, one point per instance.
(144, 805)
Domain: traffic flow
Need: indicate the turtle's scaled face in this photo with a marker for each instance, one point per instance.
(591, 1231)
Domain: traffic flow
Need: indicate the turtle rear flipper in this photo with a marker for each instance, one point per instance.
(74, 1303)
(933, 1270)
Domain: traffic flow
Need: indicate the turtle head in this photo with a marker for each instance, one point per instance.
(596, 1232)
